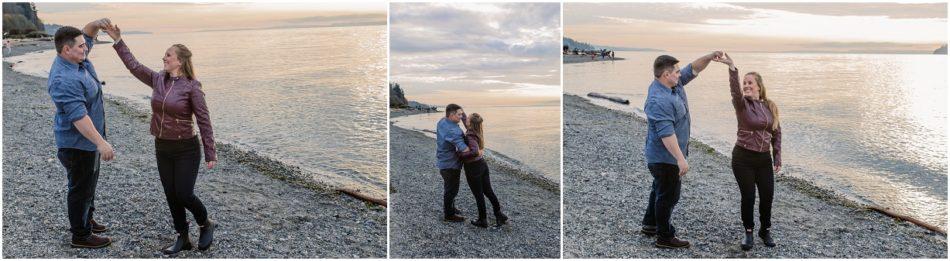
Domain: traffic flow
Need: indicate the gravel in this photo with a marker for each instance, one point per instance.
(417, 229)
(259, 214)
(607, 184)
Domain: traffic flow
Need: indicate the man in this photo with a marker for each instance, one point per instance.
(449, 142)
(79, 128)
(668, 121)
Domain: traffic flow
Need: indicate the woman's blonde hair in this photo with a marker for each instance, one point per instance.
(475, 123)
(184, 56)
(764, 97)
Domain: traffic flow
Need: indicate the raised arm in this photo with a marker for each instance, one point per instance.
(700, 64)
(203, 117)
(140, 71)
(734, 86)
(92, 28)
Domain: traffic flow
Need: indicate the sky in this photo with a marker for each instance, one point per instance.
(190, 17)
(761, 27)
(487, 54)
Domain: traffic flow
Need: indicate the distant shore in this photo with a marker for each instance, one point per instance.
(263, 211)
(417, 229)
(570, 58)
(609, 184)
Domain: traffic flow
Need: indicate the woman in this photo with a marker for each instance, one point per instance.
(176, 99)
(752, 163)
(476, 172)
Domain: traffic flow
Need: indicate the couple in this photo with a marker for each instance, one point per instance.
(455, 149)
(756, 156)
(80, 131)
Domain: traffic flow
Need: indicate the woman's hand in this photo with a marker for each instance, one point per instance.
(725, 59)
(114, 32)
(211, 164)
(777, 169)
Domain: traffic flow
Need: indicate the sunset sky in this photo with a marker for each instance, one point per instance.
(498, 53)
(189, 17)
(765, 27)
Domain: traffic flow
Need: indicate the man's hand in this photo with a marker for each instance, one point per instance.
(683, 165)
(92, 28)
(777, 169)
(106, 153)
(211, 164)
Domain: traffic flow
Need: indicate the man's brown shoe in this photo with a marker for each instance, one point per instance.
(91, 241)
(96, 227)
(454, 218)
(671, 243)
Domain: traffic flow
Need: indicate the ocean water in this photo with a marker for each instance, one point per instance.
(871, 126)
(528, 134)
(309, 97)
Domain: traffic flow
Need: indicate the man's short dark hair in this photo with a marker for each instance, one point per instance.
(65, 35)
(663, 63)
(451, 109)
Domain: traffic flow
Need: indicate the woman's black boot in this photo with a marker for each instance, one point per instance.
(182, 243)
(766, 237)
(500, 219)
(206, 235)
(480, 223)
(747, 242)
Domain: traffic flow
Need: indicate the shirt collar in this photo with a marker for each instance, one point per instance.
(660, 86)
(69, 65)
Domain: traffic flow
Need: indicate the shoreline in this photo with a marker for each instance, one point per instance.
(416, 226)
(245, 193)
(568, 59)
(501, 161)
(270, 165)
(807, 219)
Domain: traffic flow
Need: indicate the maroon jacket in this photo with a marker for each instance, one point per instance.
(174, 101)
(472, 154)
(755, 123)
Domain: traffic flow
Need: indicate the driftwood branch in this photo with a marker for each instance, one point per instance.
(360, 196)
(609, 98)
(908, 219)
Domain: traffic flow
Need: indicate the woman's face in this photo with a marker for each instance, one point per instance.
(750, 87)
(171, 60)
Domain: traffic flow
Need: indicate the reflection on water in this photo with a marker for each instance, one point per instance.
(870, 125)
(310, 97)
(530, 134)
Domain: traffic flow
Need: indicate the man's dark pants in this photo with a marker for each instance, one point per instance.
(82, 172)
(663, 197)
(450, 188)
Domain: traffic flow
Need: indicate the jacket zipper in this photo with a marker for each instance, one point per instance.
(161, 125)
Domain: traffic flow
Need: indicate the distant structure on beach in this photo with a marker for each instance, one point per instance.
(941, 50)
(21, 20)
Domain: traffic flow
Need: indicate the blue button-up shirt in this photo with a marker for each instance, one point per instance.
(449, 141)
(76, 92)
(667, 111)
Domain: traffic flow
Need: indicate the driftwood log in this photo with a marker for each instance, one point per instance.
(908, 219)
(609, 98)
(360, 196)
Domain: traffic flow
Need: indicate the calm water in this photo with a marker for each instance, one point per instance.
(309, 97)
(872, 126)
(529, 134)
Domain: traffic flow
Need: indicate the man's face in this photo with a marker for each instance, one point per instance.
(672, 76)
(77, 51)
(457, 116)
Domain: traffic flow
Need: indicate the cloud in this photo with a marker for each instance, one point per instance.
(469, 45)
